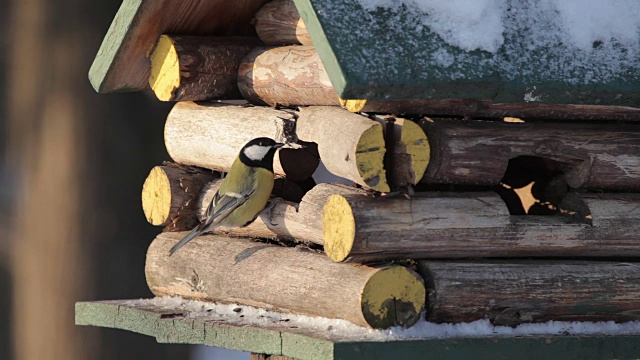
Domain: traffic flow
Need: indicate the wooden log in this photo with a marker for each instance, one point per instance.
(210, 135)
(408, 150)
(458, 225)
(350, 146)
(169, 195)
(241, 271)
(286, 76)
(278, 23)
(594, 156)
(303, 224)
(490, 109)
(510, 293)
(177, 196)
(411, 153)
(197, 67)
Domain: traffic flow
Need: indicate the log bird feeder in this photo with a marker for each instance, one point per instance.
(435, 182)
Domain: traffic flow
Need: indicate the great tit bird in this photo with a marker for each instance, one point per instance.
(243, 194)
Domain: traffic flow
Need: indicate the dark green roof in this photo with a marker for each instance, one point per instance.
(388, 54)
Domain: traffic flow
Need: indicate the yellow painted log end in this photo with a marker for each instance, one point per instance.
(417, 146)
(165, 69)
(353, 105)
(338, 227)
(370, 152)
(393, 296)
(156, 197)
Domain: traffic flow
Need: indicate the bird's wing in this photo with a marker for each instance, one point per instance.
(219, 208)
(223, 205)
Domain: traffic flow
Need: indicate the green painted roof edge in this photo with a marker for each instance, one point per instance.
(113, 314)
(320, 42)
(112, 43)
(300, 346)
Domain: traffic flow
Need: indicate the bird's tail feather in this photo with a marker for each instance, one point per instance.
(190, 236)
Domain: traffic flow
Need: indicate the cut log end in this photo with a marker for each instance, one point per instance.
(412, 153)
(394, 296)
(165, 69)
(339, 228)
(353, 105)
(156, 197)
(370, 152)
(169, 194)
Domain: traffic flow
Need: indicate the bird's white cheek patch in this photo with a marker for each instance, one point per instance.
(256, 152)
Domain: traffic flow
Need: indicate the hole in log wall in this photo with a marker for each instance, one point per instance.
(290, 190)
(537, 186)
(299, 163)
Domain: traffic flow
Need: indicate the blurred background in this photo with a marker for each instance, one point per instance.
(71, 171)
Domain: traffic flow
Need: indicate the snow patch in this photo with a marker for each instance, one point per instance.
(341, 328)
(567, 41)
(604, 21)
(481, 24)
(528, 97)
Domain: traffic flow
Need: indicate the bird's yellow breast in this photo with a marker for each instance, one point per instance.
(243, 179)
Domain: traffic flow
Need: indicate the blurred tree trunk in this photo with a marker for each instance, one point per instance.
(45, 149)
(63, 250)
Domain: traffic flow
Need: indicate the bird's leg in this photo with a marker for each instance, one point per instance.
(268, 210)
(406, 191)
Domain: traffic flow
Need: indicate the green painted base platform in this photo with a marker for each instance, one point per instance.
(280, 338)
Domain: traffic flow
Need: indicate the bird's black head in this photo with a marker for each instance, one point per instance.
(259, 153)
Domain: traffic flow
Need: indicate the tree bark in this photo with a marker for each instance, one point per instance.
(458, 225)
(210, 135)
(279, 23)
(478, 152)
(350, 146)
(489, 109)
(197, 67)
(240, 271)
(515, 292)
(286, 76)
(46, 154)
(65, 162)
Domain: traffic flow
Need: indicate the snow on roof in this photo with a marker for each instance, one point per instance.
(559, 36)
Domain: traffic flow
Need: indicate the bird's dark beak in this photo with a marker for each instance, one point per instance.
(278, 145)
